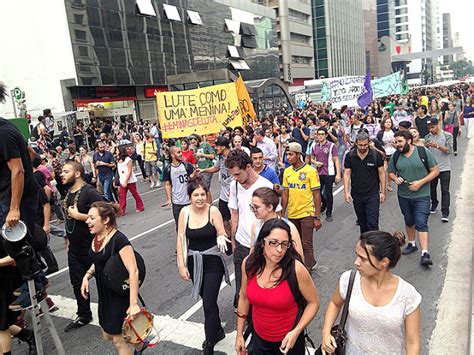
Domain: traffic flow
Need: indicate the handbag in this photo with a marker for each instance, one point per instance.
(338, 331)
(449, 128)
(116, 274)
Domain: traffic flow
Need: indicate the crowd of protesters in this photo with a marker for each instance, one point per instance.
(284, 166)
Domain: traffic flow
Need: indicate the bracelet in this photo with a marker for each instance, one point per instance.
(241, 315)
(90, 273)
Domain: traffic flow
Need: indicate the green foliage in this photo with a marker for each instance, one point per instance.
(462, 68)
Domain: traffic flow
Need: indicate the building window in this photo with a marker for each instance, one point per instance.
(321, 43)
(382, 8)
(320, 22)
(323, 64)
(171, 12)
(298, 16)
(402, 11)
(297, 59)
(80, 35)
(194, 17)
(402, 36)
(83, 51)
(382, 17)
(402, 19)
(296, 37)
(319, 11)
(401, 28)
(145, 7)
(321, 32)
(382, 33)
(319, 2)
(400, 2)
(322, 53)
(78, 19)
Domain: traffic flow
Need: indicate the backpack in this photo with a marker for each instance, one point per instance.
(421, 153)
(34, 132)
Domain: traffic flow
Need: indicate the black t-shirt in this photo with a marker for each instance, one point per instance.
(77, 232)
(13, 145)
(422, 126)
(364, 173)
(43, 199)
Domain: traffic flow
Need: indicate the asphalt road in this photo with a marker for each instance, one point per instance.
(180, 320)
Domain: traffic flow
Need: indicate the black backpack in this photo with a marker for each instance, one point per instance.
(421, 154)
(34, 132)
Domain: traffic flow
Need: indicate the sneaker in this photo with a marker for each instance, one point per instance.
(455, 154)
(77, 323)
(425, 260)
(445, 219)
(158, 184)
(433, 209)
(23, 301)
(152, 185)
(314, 266)
(51, 306)
(329, 218)
(409, 249)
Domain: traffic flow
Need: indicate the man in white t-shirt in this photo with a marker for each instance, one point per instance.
(246, 182)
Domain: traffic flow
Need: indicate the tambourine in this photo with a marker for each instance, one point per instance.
(141, 329)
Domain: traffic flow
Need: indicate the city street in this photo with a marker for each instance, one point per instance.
(180, 320)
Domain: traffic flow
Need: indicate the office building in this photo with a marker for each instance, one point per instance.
(370, 36)
(110, 56)
(295, 40)
(338, 30)
(447, 37)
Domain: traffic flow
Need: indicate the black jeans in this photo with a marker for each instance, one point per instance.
(240, 253)
(367, 211)
(211, 283)
(141, 164)
(327, 181)
(78, 266)
(260, 346)
(455, 139)
(176, 210)
(445, 178)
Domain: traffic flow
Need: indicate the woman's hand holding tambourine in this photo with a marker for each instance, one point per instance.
(132, 311)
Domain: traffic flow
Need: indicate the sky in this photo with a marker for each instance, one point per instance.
(462, 21)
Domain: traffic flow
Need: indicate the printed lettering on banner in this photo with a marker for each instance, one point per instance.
(345, 90)
(201, 111)
(246, 107)
(387, 85)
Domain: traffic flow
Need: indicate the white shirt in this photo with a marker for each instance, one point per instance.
(387, 139)
(377, 330)
(123, 169)
(269, 149)
(241, 202)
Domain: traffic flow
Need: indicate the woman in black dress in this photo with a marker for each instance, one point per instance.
(113, 308)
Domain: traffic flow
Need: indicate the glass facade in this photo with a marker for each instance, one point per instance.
(113, 45)
(320, 40)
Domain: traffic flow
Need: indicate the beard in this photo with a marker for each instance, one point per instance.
(68, 183)
(405, 148)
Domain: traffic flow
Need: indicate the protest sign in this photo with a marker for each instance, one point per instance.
(245, 103)
(388, 85)
(344, 91)
(201, 111)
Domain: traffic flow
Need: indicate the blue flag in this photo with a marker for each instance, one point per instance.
(366, 98)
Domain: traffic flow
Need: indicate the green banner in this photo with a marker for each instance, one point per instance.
(387, 85)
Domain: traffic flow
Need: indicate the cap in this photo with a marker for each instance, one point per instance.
(432, 121)
(294, 147)
(405, 124)
(223, 142)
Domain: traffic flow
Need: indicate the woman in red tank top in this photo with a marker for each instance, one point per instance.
(266, 286)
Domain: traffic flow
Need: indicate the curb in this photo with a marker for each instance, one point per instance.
(452, 332)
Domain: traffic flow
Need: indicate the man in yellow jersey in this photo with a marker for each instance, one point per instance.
(302, 197)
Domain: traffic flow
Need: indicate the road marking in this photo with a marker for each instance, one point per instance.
(148, 192)
(185, 333)
(190, 312)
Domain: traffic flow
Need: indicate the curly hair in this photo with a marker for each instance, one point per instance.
(238, 158)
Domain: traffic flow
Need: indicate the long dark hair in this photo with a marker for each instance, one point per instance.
(256, 261)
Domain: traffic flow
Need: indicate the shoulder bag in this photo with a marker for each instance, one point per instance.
(116, 274)
(338, 331)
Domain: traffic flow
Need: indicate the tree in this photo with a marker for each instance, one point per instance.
(462, 68)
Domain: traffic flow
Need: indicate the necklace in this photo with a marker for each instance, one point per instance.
(71, 222)
(99, 242)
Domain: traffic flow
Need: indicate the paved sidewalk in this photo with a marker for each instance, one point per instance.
(452, 332)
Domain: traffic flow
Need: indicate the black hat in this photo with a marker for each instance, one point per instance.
(405, 124)
(223, 142)
(432, 121)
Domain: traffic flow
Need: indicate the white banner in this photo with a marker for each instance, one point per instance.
(343, 91)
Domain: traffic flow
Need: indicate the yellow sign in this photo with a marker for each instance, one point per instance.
(246, 107)
(201, 111)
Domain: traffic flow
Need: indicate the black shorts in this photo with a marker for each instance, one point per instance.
(224, 210)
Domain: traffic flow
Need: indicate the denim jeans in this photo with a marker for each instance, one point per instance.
(444, 177)
(415, 212)
(106, 181)
(367, 211)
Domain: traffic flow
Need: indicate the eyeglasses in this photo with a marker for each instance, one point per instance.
(254, 208)
(275, 244)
